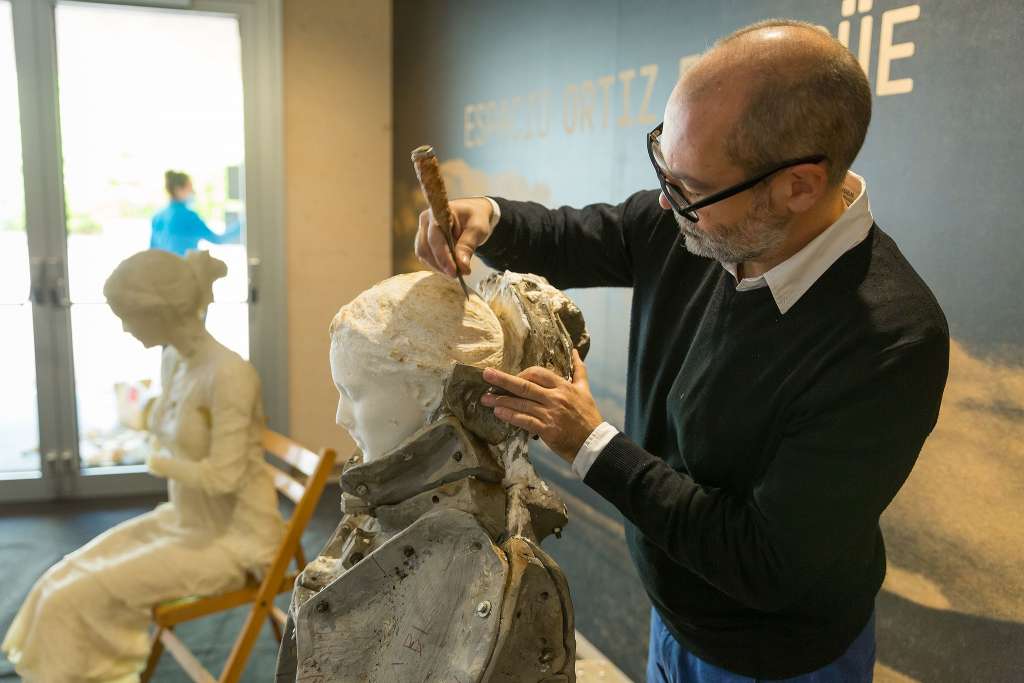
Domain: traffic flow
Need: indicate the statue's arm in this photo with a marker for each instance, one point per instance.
(231, 411)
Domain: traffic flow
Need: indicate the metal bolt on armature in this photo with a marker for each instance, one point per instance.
(323, 606)
(362, 490)
(483, 609)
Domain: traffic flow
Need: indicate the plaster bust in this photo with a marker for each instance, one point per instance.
(442, 514)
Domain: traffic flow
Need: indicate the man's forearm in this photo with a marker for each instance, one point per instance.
(570, 247)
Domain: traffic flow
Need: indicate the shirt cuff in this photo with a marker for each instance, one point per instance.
(592, 448)
(495, 212)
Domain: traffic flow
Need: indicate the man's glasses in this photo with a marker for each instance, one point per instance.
(677, 198)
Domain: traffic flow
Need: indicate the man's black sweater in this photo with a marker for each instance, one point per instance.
(759, 448)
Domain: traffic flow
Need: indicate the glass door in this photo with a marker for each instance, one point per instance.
(110, 97)
(19, 414)
(144, 94)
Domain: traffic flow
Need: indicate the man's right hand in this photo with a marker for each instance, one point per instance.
(472, 228)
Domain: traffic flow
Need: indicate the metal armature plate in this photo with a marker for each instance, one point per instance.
(425, 606)
(462, 395)
(435, 455)
(539, 643)
(484, 500)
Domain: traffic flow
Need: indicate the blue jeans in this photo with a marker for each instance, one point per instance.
(669, 662)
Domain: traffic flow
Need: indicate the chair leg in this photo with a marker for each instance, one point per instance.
(156, 648)
(239, 656)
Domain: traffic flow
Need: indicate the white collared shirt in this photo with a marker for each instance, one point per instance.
(788, 281)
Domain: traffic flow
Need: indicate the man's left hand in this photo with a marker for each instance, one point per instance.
(560, 412)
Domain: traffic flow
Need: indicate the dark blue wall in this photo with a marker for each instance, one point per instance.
(511, 94)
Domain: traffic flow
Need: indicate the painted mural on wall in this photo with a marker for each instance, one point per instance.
(552, 101)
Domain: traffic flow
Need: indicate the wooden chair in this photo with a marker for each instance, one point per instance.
(260, 595)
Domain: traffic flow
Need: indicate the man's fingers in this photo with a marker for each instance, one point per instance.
(424, 252)
(420, 245)
(466, 244)
(579, 369)
(464, 253)
(520, 405)
(439, 247)
(522, 420)
(514, 385)
(542, 376)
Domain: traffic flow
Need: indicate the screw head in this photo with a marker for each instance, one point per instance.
(323, 606)
(483, 609)
(362, 490)
(457, 457)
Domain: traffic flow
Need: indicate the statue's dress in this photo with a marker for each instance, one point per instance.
(86, 618)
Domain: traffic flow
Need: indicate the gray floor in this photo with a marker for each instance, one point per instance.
(32, 537)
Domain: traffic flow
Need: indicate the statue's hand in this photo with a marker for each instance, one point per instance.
(155, 464)
(561, 412)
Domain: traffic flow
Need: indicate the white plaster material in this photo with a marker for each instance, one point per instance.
(393, 347)
(86, 618)
(443, 516)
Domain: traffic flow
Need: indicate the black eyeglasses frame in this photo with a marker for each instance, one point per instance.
(688, 211)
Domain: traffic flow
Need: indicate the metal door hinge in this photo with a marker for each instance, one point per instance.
(58, 283)
(254, 279)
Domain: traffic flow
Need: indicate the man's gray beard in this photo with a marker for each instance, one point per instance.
(757, 234)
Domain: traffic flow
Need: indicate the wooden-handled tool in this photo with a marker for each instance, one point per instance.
(429, 174)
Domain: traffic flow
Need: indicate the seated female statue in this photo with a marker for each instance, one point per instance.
(87, 617)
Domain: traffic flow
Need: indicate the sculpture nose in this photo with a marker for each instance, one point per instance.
(344, 415)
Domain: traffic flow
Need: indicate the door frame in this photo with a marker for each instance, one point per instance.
(260, 28)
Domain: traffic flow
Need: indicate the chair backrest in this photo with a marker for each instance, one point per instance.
(291, 457)
(316, 470)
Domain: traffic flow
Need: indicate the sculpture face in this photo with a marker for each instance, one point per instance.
(149, 327)
(393, 348)
(379, 410)
(156, 293)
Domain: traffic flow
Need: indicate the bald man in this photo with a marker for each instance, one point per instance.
(786, 363)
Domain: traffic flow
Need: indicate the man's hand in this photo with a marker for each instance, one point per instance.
(472, 228)
(562, 413)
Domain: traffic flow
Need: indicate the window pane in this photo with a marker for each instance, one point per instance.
(19, 419)
(144, 91)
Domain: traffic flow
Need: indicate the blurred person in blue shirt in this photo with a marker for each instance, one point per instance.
(178, 228)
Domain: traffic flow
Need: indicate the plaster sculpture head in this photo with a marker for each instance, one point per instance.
(394, 346)
(156, 293)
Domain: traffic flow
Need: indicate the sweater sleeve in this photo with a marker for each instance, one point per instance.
(836, 469)
(198, 228)
(235, 392)
(588, 247)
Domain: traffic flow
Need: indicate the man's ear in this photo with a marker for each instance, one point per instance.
(802, 187)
